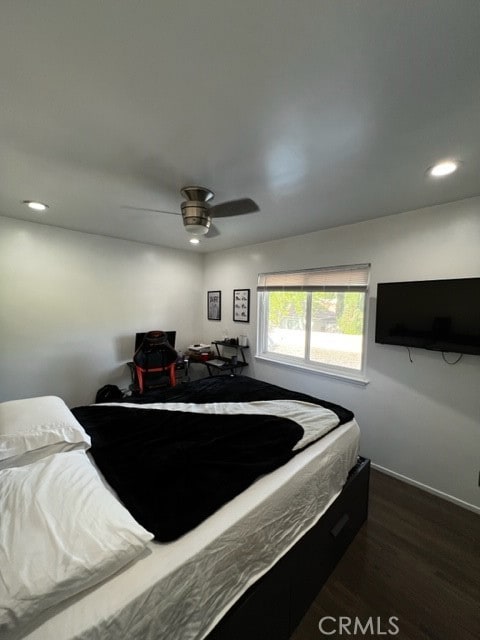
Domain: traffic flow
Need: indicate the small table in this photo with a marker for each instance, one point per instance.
(222, 364)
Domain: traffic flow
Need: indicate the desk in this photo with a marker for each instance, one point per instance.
(221, 364)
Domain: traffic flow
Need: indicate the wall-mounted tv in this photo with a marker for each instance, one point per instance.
(442, 315)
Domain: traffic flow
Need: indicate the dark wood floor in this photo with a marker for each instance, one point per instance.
(417, 558)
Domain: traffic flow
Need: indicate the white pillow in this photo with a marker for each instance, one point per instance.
(61, 532)
(36, 427)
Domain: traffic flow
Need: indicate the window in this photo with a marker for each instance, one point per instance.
(315, 319)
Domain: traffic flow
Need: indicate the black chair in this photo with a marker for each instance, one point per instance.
(155, 355)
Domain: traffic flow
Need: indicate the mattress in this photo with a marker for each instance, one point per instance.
(180, 590)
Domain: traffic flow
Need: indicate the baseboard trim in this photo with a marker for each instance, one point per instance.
(426, 487)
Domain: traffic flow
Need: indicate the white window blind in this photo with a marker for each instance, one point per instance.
(341, 278)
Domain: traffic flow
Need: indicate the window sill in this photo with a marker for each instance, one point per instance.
(352, 378)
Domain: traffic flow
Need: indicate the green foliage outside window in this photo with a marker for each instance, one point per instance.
(350, 321)
(284, 305)
(288, 309)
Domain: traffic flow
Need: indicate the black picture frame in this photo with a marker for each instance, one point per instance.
(214, 305)
(241, 305)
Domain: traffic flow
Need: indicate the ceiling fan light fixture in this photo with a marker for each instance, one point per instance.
(195, 218)
(195, 229)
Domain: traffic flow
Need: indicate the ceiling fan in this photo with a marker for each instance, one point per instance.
(197, 212)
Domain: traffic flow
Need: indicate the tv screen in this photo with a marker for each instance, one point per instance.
(442, 315)
(171, 335)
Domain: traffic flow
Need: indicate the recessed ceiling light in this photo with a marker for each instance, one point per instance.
(37, 206)
(443, 168)
(194, 241)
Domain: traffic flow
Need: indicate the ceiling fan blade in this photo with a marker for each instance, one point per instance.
(173, 213)
(234, 208)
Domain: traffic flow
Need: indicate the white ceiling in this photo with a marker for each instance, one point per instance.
(325, 112)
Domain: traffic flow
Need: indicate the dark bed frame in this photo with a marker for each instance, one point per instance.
(274, 606)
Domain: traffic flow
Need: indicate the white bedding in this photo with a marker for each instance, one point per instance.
(33, 428)
(180, 590)
(61, 531)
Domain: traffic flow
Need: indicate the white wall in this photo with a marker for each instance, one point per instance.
(71, 303)
(419, 420)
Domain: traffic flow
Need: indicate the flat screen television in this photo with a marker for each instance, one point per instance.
(171, 335)
(442, 315)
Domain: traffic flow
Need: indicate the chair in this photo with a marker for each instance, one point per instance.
(155, 355)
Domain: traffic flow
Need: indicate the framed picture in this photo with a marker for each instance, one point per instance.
(214, 305)
(241, 305)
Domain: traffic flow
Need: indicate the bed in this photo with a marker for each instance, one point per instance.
(249, 567)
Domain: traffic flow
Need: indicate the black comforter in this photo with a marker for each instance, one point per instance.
(171, 469)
